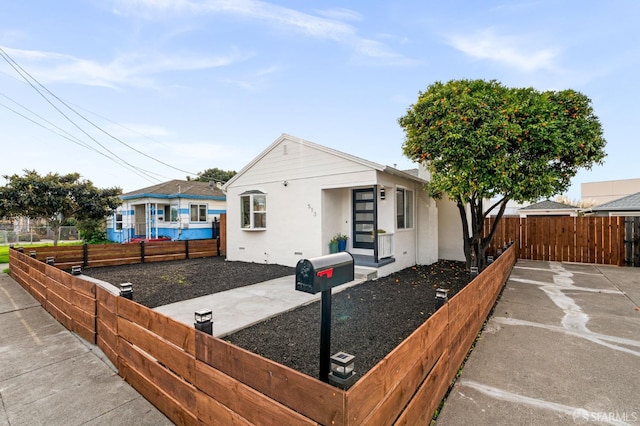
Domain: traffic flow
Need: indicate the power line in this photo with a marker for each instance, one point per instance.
(13, 64)
(22, 73)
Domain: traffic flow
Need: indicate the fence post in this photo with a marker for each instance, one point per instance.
(186, 249)
(141, 251)
(85, 255)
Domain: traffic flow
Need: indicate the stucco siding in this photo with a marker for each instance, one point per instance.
(450, 244)
(291, 161)
(309, 199)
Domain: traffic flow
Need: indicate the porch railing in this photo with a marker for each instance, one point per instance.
(385, 245)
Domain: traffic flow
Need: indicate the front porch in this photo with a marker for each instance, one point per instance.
(370, 261)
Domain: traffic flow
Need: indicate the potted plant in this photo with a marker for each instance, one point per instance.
(333, 245)
(342, 241)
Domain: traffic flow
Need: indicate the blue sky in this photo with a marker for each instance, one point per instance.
(177, 86)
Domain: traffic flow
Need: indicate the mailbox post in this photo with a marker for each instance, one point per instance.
(321, 274)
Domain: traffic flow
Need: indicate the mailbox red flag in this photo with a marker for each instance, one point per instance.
(327, 273)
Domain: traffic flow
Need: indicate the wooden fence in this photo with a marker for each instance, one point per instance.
(632, 240)
(195, 378)
(89, 255)
(588, 239)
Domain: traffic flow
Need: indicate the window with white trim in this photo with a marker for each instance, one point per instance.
(404, 208)
(253, 210)
(171, 212)
(198, 212)
(118, 222)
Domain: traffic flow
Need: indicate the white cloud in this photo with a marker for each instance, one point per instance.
(518, 52)
(328, 25)
(126, 70)
(256, 79)
(341, 13)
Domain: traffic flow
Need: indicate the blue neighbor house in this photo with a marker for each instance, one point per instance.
(174, 210)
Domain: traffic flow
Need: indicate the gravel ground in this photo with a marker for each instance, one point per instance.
(368, 320)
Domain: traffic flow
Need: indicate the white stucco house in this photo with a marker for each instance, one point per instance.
(289, 202)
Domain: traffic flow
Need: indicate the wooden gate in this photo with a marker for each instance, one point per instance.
(632, 241)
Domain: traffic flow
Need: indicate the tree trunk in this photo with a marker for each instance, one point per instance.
(475, 245)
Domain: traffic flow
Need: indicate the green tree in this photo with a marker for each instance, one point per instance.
(483, 141)
(216, 175)
(56, 198)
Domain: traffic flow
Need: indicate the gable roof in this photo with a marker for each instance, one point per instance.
(178, 189)
(628, 203)
(550, 205)
(294, 139)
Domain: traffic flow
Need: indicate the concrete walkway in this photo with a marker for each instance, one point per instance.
(562, 348)
(242, 307)
(50, 376)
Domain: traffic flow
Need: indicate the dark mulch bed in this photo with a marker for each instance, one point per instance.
(160, 283)
(368, 320)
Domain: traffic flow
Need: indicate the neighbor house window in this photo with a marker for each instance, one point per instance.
(253, 210)
(198, 212)
(118, 222)
(404, 208)
(171, 212)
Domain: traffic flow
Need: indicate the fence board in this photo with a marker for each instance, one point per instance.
(311, 397)
(154, 394)
(107, 323)
(427, 399)
(396, 398)
(155, 371)
(248, 403)
(211, 412)
(171, 356)
(169, 329)
(379, 396)
(589, 239)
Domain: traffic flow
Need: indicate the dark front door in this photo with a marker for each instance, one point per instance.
(364, 217)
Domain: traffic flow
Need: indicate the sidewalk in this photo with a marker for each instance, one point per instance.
(50, 376)
(562, 348)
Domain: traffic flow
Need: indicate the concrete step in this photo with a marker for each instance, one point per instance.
(366, 273)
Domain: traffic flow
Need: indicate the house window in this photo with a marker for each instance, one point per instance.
(171, 212)
(118, 222)
(253, 210)
(198, 212)
(404, 208)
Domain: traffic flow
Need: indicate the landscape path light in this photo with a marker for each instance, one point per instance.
(126, 290)
(342, 370)
(473, 271)
(489, 260)
(204, 321)
(50, 260)
(442, 295)
(76, 270)
(32, 253)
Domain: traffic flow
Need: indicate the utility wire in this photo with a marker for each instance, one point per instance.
(93, 124)
(22, 73)
(11, 62)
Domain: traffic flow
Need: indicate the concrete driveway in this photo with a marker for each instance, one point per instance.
(562, 347)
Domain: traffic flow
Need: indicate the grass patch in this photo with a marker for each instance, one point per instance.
(4, 250)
